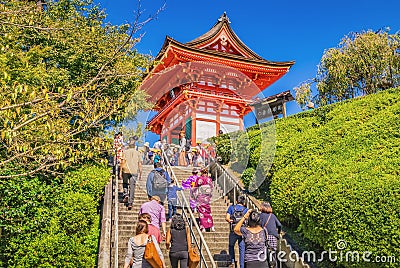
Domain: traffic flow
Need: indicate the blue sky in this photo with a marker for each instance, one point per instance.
(276, 30)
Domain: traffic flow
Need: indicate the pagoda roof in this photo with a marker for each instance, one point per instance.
(220, 30)
(219, 46)
(222, 22)
(169, 42)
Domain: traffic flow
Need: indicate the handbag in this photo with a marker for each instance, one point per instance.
(194, 258)
(193, 255)
(269, 252)
(151, 254)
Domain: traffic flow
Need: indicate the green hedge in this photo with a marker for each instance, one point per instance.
(336, 175)
(52, 224)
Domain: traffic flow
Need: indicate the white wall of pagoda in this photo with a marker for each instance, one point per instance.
(207, 119)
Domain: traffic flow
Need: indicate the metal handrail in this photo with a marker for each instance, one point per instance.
(192, 221)
(104, 256)
(116, 216)
(228, 182)
(229, 185)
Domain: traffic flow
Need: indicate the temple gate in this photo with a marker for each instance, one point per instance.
(207, 85)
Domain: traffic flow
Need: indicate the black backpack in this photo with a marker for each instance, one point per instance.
(236, 216)
(188, 145)
(159, 180)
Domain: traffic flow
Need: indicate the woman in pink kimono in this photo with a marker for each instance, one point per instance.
(203, 194)
(189, 184)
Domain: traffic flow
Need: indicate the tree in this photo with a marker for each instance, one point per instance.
(65, 77)
(363, 63)
(303, 94)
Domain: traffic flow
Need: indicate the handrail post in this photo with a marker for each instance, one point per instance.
(223, 176)
(216, 176)
(201, 247)
(234, 194)
(116, 217)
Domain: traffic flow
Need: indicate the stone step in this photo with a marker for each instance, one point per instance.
(122, 253)
(218, 224)
(216, 210)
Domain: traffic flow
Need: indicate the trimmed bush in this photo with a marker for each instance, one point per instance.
(52, 224)
(336, 172)
(336, 175)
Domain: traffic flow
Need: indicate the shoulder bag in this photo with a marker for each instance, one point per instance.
(193, 255)
(151, 254)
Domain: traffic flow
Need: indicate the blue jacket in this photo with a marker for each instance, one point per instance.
(149, 183)
(172, 189)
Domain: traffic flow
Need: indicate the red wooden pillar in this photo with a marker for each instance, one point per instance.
(193, 106)
(169, 137)
(241, 113)
(241, 124)
(218, 117)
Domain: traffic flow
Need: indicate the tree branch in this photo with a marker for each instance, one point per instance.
(46, 113)
(19, 155)
(21, 104)
(28, 173)
(31, 120)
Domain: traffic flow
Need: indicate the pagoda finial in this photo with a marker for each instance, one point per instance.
(224, 17)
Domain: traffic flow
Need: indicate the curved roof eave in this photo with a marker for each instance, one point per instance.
(170, 42)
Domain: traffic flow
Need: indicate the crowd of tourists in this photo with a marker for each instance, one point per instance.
(183, 154)
(152, 227)
(255, 233)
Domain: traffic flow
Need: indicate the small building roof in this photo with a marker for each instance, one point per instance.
(285, 96)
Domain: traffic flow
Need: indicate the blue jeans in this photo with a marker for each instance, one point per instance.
(171, 210)
(232, 241)
(129, 179)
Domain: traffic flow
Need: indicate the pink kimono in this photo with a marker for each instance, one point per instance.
(203, 193)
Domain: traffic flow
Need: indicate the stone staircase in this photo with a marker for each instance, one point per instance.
(127, 219)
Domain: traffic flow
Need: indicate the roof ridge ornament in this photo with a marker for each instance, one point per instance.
(224, 17)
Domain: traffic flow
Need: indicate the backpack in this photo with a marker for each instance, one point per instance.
(236, 216)
(159, 180)
(188, 145)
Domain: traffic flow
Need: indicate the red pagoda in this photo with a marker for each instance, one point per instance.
(206, 85)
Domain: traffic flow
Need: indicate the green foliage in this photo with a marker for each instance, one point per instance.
(247, 176)
(303, 94)
(224, 148)
(336, 174)
(65, 77)
(132, 128)
(88, 179)
(52, 224)
(254, 148)
(363, 63)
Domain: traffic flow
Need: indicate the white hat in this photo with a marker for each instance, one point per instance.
(146, 144)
